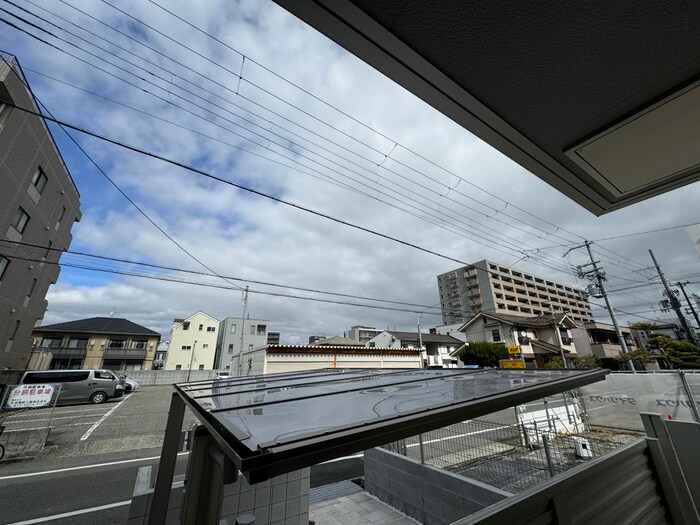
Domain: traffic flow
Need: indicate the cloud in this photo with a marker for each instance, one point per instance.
(396, 152)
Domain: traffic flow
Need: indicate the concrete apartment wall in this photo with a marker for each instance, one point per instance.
(428, 494)
(26, 145)
(280, 500)
(229, 342)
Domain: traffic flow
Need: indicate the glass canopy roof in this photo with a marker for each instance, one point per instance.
(275, 423)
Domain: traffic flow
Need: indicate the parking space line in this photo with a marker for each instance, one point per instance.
(57, 428)
(47, 418)
(101, 420)
(72, 513)
(83, 467)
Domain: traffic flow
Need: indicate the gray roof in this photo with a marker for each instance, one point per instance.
(427, 338)
(337, 341)
(99, 325)
(535, 321)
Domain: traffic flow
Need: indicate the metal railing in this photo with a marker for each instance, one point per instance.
(512, 457)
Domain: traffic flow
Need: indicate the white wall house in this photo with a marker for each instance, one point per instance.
(192, 343)
(228, 344)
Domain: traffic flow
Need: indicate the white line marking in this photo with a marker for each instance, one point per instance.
(101, 420)
(54, 428)
(17, 420)
(361, 455)
(82, 467)
(458, 436)
(72, 513)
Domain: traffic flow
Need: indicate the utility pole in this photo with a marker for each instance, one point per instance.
(420, 343)
(692, 308)
(675, 303)
(599, 275)
(240, 350)
(189, 370)
(557, 338)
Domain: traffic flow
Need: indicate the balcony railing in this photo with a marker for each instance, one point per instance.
(124, 353)
(65, 353)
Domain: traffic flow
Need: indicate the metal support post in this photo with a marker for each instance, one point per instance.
(690, 304)
(422, 452)
(689, 395)
(548, 455)
(240, 350)
(168, 459)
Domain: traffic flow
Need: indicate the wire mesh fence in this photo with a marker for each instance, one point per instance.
(512, 457)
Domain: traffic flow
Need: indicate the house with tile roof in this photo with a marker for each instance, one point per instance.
(97, 342)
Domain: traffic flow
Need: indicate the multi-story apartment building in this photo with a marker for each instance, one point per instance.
(486, 286)
(192, 343)
(362, 333)
(39, 204)
(234, 330)
(273, 338)
(98, 342)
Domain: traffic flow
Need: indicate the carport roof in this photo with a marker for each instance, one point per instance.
(599, 99)
(273, 424)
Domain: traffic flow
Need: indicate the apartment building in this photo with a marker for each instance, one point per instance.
(252, 333)
(192, 343)
(361, 333)
(486, 286)
(40, 203)
(97, 342)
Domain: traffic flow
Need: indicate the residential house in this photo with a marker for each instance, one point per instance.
(336, 340)
(435, 349)
(98, 342)
(236, 335)
(600, 340)
(40, 203)
(540, 338)
(192, 343)
(486, 286)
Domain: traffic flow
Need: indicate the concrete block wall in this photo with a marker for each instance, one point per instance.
(280, 500)
(428, 494)
(168, 377)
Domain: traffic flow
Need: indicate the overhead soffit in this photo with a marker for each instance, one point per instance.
(538, 81)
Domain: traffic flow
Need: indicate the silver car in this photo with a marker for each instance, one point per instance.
(79, 386)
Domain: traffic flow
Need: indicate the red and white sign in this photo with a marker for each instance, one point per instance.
(30, 396)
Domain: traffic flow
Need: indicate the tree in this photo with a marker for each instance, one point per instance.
(645, 327)
(483, 353)
(681, 354)
(554, 362)
(638, 357)
(586, 361)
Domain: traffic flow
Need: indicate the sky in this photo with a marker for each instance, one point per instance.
(257, 98)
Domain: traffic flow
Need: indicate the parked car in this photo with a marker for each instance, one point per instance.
(223, 374)
(131, 385)
(79, 386)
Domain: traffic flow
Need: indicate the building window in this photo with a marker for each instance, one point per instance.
(21, 220)
(77, 343)
(14, 332)
(201, 367)
(117, 343)
(4, 263)
(205, 345)
(58, 222)
(39, 180)
(496, 334)
(233, 328)
(187, 347)
(261, 329)
(211, 328)
(178, 367)
(186, 325)
(230, 348)
(52, 342)
(252, 329)
(31, 288)
(139, 345)
(201, 327)
(250, 347)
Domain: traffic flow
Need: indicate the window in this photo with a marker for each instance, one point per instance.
(230, 348)
(39, 180)
(75, 342)
(252, 329)
(117, 343)
(233, 328)
(201, 367)
(4, 263)
(496, 334)
(52, 342)
(250, 347)
(31, 288)
(178, 367)
(186, 325)
(139, 345)
(201, 327)
(261, 329)
(187, 347)
(21, 220)
(205, 345)
(211, 329)
(58, 222)
(14, 332)
(101, 374)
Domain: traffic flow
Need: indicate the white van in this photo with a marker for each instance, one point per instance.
(79, 386)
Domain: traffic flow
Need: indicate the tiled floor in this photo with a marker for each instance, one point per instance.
(356, 509)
